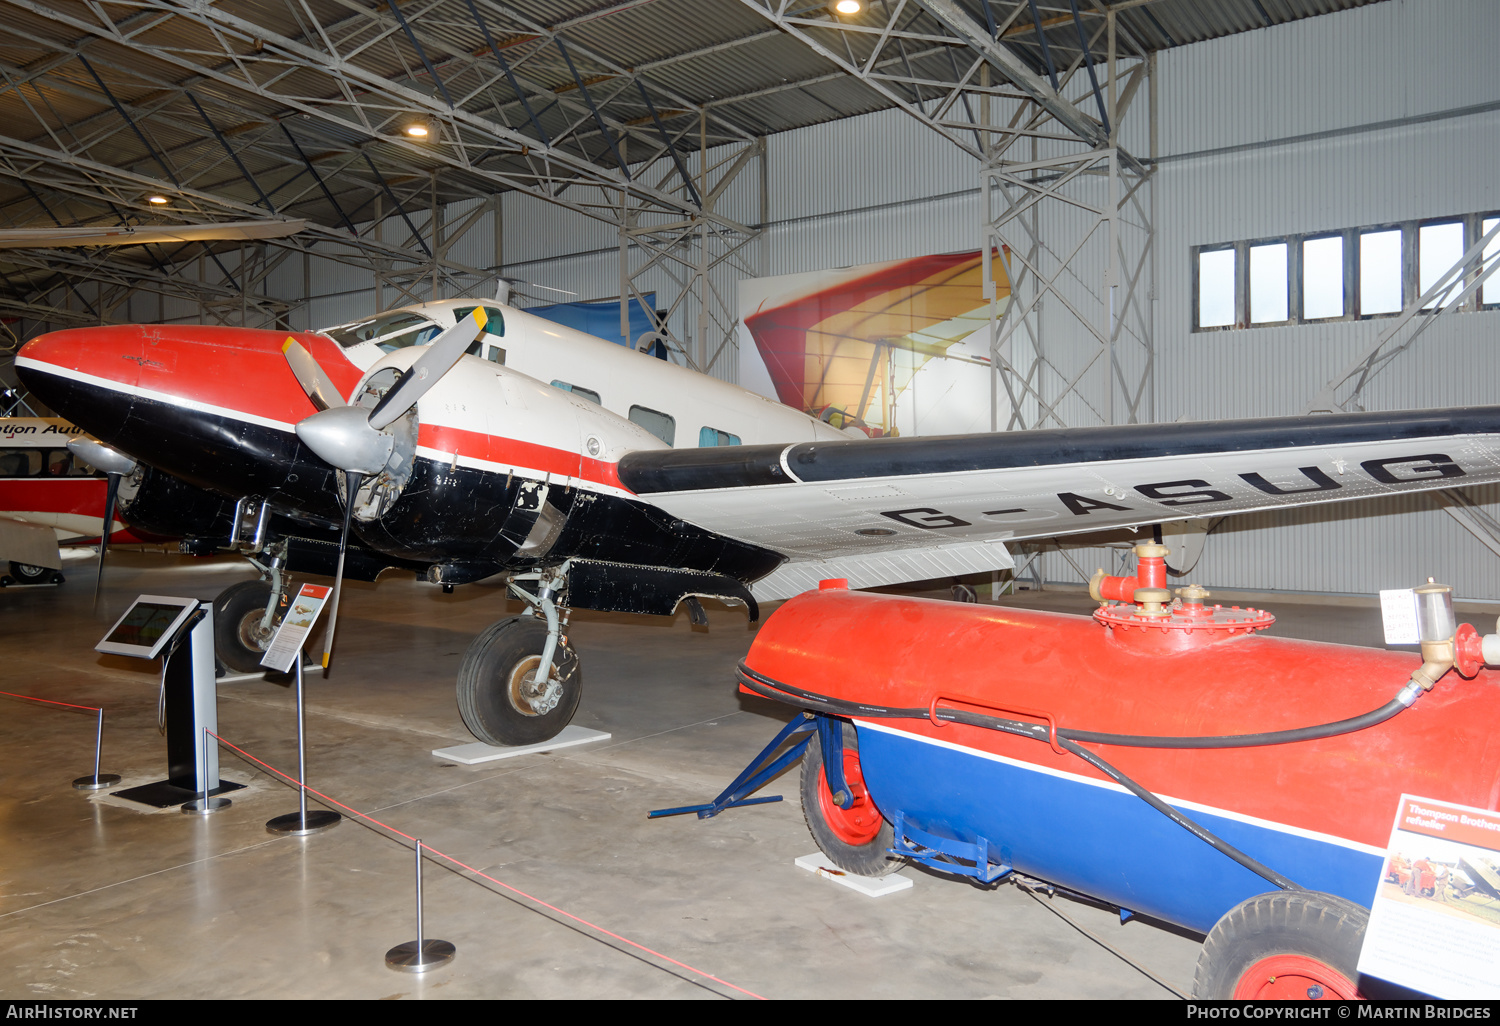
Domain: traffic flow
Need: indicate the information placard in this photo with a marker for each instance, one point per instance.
(295, 627)
(1435, 922)
(1398, 611)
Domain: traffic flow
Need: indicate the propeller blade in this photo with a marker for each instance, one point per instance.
(438, 360)
(111, 493)
(312, 377)
(354, 480)
(115, 466)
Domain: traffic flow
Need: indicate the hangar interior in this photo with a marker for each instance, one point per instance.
(1204, 211)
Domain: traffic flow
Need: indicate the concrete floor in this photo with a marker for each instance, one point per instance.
(98, 900)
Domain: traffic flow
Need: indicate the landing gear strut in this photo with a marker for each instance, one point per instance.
(246, 614)
(520, 683)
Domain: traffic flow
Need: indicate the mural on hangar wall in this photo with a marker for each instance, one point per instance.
(899, 347)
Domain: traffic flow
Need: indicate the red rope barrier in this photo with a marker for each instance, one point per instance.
(48, 701)
(470, 869)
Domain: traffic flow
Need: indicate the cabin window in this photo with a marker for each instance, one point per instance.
(659, 424)
(708, 437)
(42, 463)
(578, 390)
(20, 463)
(494, 320)
(391, 332)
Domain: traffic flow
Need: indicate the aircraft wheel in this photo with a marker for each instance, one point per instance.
(856, 839)
(25, 573)
(238, 639)
(1285, 945)
(496, 697)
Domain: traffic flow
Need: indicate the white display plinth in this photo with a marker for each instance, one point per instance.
(872, 886)
(478, 751)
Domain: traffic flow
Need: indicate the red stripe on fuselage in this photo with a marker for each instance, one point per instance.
(240, 369)
(516, 453)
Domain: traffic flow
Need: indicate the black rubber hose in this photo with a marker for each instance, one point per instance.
(769, 688)
(1275, 737)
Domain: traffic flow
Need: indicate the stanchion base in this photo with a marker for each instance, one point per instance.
(298, 825)
(406, 958)
(203, 806)
(97, 783)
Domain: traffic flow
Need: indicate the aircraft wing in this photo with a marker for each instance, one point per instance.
(33, 544)
(879, 511)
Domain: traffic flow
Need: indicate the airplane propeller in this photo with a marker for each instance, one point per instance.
(115, 467)
(352, 439)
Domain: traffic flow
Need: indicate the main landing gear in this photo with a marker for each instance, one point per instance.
(520, 683)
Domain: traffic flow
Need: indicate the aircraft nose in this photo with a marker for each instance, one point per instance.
(87, 375)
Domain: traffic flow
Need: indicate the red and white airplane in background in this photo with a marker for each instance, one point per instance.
(469, 438)
(49, 497)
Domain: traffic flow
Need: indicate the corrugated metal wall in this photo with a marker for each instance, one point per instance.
(1418, 61)
(881, 187)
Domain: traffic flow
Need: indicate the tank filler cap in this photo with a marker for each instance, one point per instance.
(1183, 617)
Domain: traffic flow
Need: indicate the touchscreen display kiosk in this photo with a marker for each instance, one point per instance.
(147, 626)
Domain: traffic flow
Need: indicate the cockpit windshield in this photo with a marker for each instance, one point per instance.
(390, 331)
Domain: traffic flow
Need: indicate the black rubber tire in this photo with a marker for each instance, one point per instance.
(1325, 928)
(237, 613)
(871, 858)
(25, 573)
(494, 667)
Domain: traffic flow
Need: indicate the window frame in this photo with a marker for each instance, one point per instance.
(671, 422)
(1293, 265)
(1410, 271)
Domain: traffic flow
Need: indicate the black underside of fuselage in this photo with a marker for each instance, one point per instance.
(224, 455)
(445, 514)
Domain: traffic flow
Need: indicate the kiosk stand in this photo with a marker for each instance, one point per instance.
(181, 632)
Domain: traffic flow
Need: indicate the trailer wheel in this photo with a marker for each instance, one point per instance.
(856, 839)
(1286, 946)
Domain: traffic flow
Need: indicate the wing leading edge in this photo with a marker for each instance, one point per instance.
(946, 501)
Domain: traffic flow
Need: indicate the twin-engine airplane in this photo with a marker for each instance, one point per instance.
(598, 478)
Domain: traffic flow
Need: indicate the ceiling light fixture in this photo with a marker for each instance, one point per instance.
(847, 6)
(418, 130)
(157, 200)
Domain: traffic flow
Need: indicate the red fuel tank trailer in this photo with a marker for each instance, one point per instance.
(1162, 755)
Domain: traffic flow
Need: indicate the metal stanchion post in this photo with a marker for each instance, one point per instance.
(419, 955)
(205, 803)
(98, 781)
(302, 822)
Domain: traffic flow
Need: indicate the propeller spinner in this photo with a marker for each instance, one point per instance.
(353, 439)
